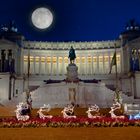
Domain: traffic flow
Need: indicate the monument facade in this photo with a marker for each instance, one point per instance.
(50, 61)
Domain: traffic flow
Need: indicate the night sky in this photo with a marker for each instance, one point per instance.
(74, 20)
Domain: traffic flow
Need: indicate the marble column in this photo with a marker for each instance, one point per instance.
(33, 65)
(0, 61)
(46, 65)
(18, 61)
(118, 63)
(80, 65)
(86, 68)
(51, 72)
(63, 65)
(6, 54)
(109, 61)
(22, 60)
(97, 72)
(0, 54)
(92, 64)
(57, 64)
(39, 65)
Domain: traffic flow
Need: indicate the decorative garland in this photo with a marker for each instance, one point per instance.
(72, 122)
(68, 119)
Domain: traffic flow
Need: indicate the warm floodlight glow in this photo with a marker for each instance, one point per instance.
(42, 18)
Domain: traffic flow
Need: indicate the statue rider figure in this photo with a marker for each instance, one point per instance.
(72, 55)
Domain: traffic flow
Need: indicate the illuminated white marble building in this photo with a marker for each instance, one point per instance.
(51, 58)
(48, 60)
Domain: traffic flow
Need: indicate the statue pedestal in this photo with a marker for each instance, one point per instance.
(72, 91)
(72, 73)
(72, 79)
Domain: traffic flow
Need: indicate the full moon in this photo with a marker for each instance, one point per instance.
(42, 18)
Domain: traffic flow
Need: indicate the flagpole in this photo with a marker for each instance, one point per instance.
(117, 92)
(116, 72)
(28, 74)
(114, 62)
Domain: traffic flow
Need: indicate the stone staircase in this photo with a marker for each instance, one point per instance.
(57, 95)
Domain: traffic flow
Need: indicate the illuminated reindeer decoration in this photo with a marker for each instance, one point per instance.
(22, 112)
(116, 106)
(45, 108)
(93, 108)
(68, 112)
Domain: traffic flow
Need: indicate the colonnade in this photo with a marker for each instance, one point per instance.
(6, 60)
(56, 65)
